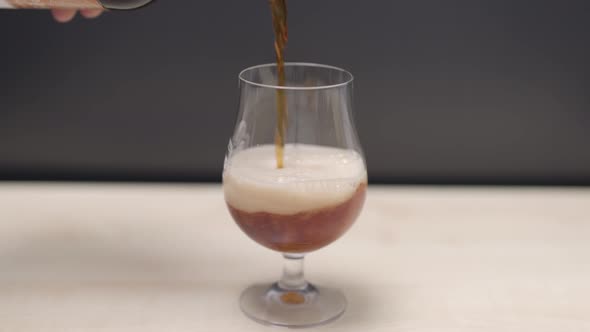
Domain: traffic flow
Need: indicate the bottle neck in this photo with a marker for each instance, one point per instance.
(124, 4)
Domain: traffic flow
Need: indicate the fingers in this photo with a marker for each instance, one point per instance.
(91, 13)
(66, 15)
(63, 15)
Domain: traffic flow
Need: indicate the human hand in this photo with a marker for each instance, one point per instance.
(66, 15)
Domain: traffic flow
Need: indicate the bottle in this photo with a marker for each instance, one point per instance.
(77, 4)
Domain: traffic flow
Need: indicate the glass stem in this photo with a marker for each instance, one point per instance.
(293, 278)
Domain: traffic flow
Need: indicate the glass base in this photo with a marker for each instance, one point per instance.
(310, 306)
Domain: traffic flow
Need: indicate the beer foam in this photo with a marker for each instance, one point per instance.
(314, 177)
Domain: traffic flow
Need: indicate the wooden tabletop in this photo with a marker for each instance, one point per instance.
(112, 257)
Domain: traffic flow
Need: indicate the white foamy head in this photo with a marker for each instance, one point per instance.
(314, 177)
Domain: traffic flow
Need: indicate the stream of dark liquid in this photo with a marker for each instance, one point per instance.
(279, 21)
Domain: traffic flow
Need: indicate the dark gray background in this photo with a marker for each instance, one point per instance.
(470, 91)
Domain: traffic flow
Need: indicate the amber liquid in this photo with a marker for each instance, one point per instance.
(279, 21)
(301, 232)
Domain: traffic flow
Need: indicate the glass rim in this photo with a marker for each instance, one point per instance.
(345, 82)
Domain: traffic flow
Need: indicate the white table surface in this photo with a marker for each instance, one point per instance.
(104, 257)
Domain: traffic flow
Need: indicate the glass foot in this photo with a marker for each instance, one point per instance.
(310, 306)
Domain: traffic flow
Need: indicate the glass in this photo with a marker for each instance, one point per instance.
(310, 202)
